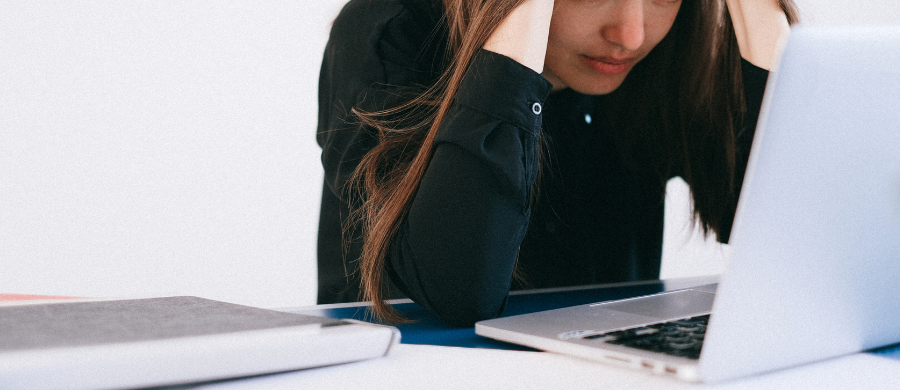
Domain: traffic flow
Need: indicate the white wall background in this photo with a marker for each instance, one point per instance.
(167, 147)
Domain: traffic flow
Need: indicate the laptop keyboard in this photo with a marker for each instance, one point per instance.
(682, 338)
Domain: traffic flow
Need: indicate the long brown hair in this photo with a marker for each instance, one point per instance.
(387, 178)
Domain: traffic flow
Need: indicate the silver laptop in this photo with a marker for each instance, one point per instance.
(815, 271)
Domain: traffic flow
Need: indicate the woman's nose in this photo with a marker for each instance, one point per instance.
(626, 26)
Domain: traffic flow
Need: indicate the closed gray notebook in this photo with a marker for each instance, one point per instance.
(171, 340)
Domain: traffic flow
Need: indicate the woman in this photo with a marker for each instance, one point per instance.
(468, 141)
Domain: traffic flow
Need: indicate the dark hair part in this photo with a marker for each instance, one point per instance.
(688, 122)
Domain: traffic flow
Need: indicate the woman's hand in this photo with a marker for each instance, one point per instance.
(759, 26)
(523, 35)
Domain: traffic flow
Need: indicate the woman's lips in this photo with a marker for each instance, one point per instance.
(608, 65)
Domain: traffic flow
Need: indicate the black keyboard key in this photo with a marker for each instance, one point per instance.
(682, 337)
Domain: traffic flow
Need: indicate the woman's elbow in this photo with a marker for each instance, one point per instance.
(466, 310)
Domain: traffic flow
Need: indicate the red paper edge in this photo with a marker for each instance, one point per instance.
(29, 297)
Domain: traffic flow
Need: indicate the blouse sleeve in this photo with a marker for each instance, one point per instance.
(754, 80)
(455, 251)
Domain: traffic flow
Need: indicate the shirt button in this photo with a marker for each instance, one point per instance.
(587, 118)
(536, 108)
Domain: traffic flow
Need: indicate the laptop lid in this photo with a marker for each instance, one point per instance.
(816, 238)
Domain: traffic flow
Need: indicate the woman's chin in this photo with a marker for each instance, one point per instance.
(586, 82)
(597, 87)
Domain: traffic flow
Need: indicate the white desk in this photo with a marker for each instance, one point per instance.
(428, 366)
(433, 367)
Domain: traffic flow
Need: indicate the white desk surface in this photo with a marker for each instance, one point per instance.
(434, 367)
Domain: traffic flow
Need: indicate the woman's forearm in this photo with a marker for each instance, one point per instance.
(759, 26)
(457, 248)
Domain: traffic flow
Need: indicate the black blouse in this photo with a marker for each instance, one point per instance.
(473, 218)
